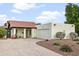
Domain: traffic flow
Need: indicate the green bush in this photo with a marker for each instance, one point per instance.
(66, 48)
(2, 32)
(60, 35)
(73, 35)
(56, 44)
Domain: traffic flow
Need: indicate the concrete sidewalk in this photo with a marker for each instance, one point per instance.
(24, 47)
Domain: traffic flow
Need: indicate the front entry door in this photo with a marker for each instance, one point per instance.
(28, 33)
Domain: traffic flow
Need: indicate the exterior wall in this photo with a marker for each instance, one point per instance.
(20, 32)
(25, 33)
(13, 32)
(33, 33)
(67, 28)
(48, 31)
(44, 31)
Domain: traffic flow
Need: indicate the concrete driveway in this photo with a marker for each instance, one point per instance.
(23, 47)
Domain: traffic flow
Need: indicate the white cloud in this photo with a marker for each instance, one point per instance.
(23, 6)
(63, 12)
(16, 11)
(50, 16)
(3, 15)
(4, 18)
(19, 7)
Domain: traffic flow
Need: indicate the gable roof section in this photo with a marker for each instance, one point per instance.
(22, 24)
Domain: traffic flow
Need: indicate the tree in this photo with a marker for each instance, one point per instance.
(2, 32)
(60, 35)
(77, 28)
(72, 15)
(68, 14)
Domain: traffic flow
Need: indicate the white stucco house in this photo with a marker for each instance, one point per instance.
(49, 30)
(22, 29)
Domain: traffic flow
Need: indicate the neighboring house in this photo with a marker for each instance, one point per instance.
(21, 29)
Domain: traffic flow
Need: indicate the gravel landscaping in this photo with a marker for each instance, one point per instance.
(55, 46)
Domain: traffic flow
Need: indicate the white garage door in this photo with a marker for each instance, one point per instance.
(44, 33)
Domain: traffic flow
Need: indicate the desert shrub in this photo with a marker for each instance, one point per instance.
(60, 35)
(76, 40)
(66, 48)
(2, 32)
(46, 40)
(77, 43)
(56, 44)
(73, 36)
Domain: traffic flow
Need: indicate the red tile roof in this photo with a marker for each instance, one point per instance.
(22, 24)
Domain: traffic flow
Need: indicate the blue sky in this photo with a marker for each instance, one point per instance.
(36, 12)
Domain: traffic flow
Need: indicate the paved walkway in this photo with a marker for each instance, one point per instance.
(23, 47)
